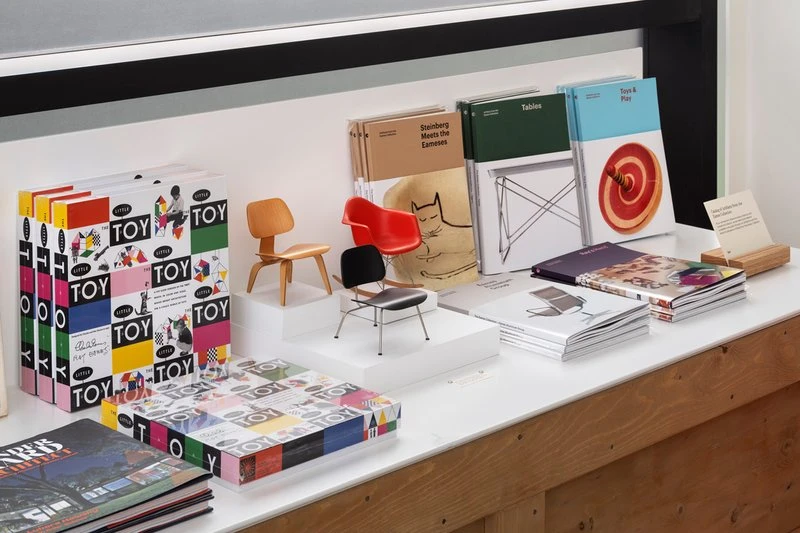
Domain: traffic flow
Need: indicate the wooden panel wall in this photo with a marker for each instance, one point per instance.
(739, 472)
(479, 479)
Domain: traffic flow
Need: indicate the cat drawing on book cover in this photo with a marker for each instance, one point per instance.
(442, 247)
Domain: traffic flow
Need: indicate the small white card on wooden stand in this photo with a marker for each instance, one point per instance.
(744, 239)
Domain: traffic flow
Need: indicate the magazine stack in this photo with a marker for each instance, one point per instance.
(85, 477)
(563, 322)
(674, 288)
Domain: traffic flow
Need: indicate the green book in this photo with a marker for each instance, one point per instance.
(464, 106)
(524, 180)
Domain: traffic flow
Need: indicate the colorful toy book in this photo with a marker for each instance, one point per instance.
(524, 181)
(675, 288)
(244, 419)
(140, 285)
(85, 477)
(33, 246)
(623, 166)
(26, 228)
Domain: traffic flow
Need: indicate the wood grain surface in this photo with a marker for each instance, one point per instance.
(739, 472)
(474, 527)
(752, 263)
(458, 487)
(527, 515)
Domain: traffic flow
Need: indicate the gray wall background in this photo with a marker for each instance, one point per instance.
(37, 26)
(152, 108)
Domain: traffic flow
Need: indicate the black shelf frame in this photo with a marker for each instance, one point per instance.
(680, 50)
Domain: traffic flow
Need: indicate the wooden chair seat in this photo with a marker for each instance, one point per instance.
(297, 251)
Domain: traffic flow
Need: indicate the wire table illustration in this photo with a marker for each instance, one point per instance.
(510, 183)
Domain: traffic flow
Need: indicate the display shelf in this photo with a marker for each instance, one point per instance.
(681, 51)
(461, 406)
(307, 308)
(458, 407)
(456, 340)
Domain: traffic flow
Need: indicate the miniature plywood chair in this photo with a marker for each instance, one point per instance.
(271, 217)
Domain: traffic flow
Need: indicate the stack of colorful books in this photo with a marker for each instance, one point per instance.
(244, 419)
(674, 288)
(129, 279)
(564, 322)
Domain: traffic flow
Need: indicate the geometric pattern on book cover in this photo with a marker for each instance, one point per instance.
(85, 244)
(203, 270)
(244, 419)
(161, 220)
(129, 256)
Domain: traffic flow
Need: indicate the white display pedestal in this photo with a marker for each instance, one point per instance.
(307, 308)
(346, 298)
(456, 340)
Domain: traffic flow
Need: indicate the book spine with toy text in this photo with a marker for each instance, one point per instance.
(26, 261)
(46, 338)
(82, 293)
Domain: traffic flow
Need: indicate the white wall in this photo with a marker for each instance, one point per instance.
(296, 149)
(764, 117)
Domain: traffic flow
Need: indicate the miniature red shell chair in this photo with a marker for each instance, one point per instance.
(391, 231)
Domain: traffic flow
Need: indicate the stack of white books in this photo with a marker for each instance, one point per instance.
(564, 322)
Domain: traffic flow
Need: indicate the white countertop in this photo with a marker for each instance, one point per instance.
(439, 414)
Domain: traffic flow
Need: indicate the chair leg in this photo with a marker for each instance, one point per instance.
(289, 274)
(374, 317)
(336, 335)
(380, 335)
(419, 314)
(253, 274)
(323, 272)
(285, 265)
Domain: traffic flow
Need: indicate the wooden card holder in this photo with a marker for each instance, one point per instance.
(753, 263)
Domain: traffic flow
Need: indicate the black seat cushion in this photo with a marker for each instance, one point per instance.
(396, 298)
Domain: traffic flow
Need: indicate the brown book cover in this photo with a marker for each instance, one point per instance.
(416, 164)
(366, 191)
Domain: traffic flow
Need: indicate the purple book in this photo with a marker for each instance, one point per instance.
(566, 268)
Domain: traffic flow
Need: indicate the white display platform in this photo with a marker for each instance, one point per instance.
(346, 300)
(457, 407)
(456, 340)
(307, 308)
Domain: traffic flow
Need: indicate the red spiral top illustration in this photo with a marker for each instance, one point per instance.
(630, 188)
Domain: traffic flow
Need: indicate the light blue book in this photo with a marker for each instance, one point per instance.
(616, 109)
(623, 164)
(568, 90)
